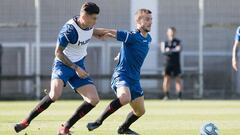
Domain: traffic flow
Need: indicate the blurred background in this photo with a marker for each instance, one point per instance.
(29, 29)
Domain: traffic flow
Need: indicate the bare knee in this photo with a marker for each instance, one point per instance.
(166, 83)
(54, 95)
(89, 94)
(94, 100)
(166, 80)
(125, 98)
(178, 80)
(56, 89)
(140, 112)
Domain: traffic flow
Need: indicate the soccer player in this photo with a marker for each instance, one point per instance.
(126, 77)
(235, 50)
(172, 49)
(68, 67)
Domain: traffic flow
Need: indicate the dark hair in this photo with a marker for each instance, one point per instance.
(173, 29)
(90, 8)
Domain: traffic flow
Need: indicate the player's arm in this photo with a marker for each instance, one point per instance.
(63, 58)
(163, 48)
(235, 50)
(123, 36)
(98, 33)
(65, 37)
(234, 55)
(102, 33)
(178, 48)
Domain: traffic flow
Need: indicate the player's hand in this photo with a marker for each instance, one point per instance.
(81, 72)
(107, 35)
(235, 64)
(167, 49)
(178, 48)
(101, 37)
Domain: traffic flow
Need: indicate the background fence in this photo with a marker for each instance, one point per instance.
(18, 39)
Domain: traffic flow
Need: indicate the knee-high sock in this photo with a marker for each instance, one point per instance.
(111, 108)
(79, 113)
(42, 105)
(131, 118)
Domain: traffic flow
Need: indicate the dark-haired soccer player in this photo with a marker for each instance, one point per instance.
(171, 48)
(235, 50)
(126, 76)
(70, 53)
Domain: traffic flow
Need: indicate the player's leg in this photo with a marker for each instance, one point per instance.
(123, 98)
(178, 81)
(55, 93)
(179, 87)
(91, 99)
(166, 86)
(138, 110)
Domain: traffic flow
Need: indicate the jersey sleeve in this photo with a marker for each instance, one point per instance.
(124, 36)
(166, 45)
(150, 39)
(68, 34)
(163, 47)
(237, 37)
(178, 42)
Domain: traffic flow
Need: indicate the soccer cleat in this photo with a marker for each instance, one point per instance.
(20, 126)
(63, 131)
(93, 125)
(126, 131)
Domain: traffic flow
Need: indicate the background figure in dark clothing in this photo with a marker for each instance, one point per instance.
(172, 49)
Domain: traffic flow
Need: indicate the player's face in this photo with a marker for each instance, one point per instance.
(90, 20)
(145, 22)
(170, 33)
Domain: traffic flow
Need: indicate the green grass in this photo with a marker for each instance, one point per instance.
(161, 118)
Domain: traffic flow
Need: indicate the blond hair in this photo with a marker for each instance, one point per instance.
(140, 12)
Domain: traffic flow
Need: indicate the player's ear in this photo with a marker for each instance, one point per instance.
(138, 21)
(84, 15)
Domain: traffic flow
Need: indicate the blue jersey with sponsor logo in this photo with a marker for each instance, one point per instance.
(74, 40)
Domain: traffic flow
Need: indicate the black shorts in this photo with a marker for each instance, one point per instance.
(172, 70)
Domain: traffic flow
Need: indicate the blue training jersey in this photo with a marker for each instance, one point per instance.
(74, 39)
(237, 37)
(132, 54)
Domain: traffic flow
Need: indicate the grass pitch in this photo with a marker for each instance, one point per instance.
(161, 118)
